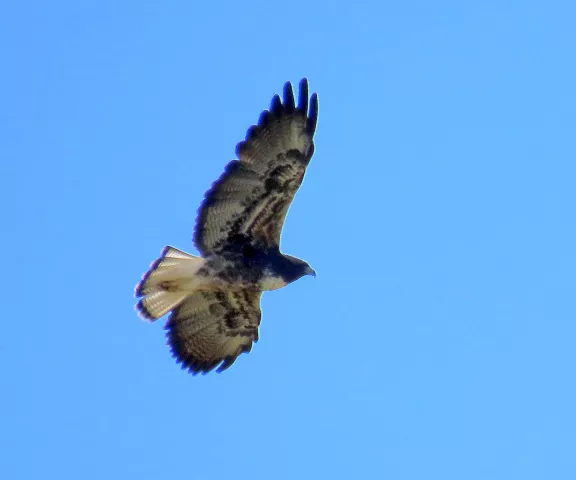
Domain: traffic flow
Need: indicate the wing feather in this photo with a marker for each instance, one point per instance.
(249, 202)
(212, 328)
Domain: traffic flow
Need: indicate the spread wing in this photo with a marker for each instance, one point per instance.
(248, 203)
(212, 328)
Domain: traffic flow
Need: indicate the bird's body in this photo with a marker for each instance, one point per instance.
(214, 299)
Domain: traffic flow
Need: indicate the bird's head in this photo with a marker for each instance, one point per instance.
(309, 271)
(299, 268)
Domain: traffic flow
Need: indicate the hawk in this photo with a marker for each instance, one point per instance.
(214, 299)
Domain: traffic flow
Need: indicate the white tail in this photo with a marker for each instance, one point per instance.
(168, 281)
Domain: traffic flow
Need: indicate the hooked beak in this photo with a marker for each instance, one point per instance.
(311, 271)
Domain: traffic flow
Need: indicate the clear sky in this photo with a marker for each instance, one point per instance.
(437, 341)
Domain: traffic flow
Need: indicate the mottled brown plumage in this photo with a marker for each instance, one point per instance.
(215, 300)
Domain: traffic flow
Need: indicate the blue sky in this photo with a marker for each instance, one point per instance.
(437, 341)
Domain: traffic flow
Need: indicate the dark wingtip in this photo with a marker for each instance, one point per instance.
(264, 119)
(306, 106)
(312, 119)
(276, 105)
(288, 98)
(303, 96)
(252, 132)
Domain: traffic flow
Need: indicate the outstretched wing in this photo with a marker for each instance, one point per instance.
(212, 328)
(248, 203)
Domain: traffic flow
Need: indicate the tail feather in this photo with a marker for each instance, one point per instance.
(168, 281)
(159, 303)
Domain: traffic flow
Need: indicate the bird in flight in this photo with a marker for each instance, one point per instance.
(214, 299)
